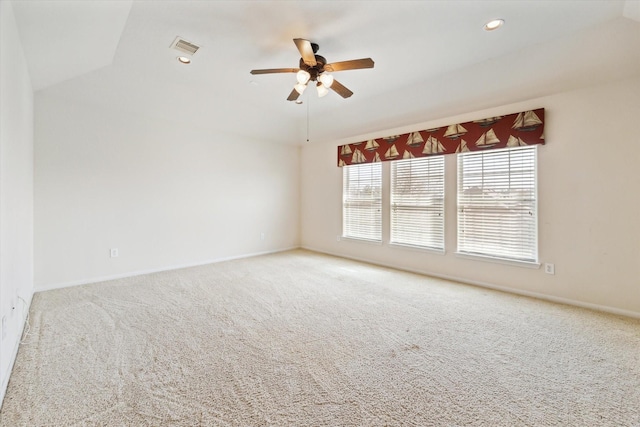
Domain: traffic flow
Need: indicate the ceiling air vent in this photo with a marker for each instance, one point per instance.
(184, 46)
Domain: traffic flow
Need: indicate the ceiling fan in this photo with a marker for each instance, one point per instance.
(314, 68)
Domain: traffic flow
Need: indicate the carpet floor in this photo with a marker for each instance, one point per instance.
(304, 339)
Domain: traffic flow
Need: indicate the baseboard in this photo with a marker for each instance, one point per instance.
(545, 297)
(52, 286)
(16, 347)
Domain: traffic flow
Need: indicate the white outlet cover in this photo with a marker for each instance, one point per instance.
(114, 252)
(549, 268)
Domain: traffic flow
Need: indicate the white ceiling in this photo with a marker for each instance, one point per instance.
(432, 58)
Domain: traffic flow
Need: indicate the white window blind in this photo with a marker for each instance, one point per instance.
(417, 202)
(362, 201)
(497, 206)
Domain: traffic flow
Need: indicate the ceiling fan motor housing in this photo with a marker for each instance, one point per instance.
(317, 69)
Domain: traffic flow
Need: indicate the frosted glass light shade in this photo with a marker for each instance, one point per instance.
(300, 88)
(326, 79)
(322, 90)
(303, 77)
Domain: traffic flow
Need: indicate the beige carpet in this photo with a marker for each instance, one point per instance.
(302, 339)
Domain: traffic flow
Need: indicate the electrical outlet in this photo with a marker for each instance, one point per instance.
(114, 253)
(549, 268)
(4, 327)
(261, 236)
(337, 238)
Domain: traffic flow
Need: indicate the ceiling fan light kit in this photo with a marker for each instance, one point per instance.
(313, 67)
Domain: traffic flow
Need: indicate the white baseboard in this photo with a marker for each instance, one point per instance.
(52, 286)
(551, 298)
(14, 351)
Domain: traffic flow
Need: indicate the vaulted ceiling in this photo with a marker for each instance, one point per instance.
(432, 58)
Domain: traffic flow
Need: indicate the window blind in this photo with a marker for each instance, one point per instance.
(497, 206)
(362, 202)
(417, 202)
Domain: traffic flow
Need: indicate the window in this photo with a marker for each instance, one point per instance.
(417, 202)
(497, 207)
(362, 201)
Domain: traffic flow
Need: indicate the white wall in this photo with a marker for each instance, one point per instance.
(163, 194)
(16, 189)
(589, 203)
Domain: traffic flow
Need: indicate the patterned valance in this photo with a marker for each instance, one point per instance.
(513, 130)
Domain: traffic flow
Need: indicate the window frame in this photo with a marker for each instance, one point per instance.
(405, 173)
(464, 248)
(350, 227)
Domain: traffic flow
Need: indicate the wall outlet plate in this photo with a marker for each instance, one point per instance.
(114, 252)
(549, 268)
(4, 327)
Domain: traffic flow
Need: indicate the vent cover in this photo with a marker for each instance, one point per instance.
(184, 46)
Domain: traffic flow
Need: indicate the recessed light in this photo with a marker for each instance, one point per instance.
(184, 60)
(493, 24)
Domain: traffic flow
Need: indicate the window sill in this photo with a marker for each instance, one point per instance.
(417, 248)
(366, 241)
(515, 263)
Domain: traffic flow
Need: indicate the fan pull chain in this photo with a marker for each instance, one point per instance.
(308, 98)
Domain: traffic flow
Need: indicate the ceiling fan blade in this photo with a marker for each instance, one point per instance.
(354, 64)
(293, 95)
(275, 70)
(340, 89)
(306, 51)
